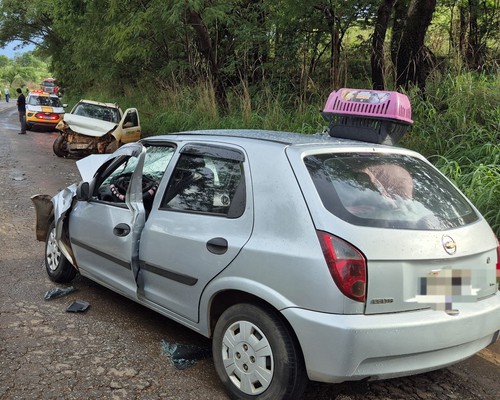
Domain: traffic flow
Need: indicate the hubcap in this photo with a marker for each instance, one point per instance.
(53, 253)
(248, 358)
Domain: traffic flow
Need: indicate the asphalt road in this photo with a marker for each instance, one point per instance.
(114, 349)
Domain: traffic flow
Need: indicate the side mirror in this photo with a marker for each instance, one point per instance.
(83, 192)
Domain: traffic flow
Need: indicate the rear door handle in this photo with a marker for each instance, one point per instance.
(121, 230)
(217, 245)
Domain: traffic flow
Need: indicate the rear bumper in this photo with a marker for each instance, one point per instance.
(41, 123)
(338, 348)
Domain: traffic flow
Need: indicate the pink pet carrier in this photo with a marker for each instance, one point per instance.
(373, 116)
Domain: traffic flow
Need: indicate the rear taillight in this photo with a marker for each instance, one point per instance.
(498, 259)
(346, 264)
(47, 116)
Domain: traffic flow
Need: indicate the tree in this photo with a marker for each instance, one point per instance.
(29, 23)
(377, 56)
(412, 57)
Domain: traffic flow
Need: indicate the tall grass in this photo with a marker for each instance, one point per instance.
(458, 128)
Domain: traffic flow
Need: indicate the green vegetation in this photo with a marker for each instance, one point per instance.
(197, 64)
(25, 70)
(458, 129)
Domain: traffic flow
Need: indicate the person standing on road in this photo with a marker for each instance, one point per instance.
(7, 94)
(21, 108)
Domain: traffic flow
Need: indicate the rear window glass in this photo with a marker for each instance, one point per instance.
(388, 191)
(44, 101)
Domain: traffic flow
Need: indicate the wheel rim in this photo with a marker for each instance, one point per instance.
(247, 357)
(52, 253)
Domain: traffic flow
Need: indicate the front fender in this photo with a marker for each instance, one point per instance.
(53, 209)
(63, 200)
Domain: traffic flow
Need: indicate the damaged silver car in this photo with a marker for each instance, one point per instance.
(303, 257)
(94, 127)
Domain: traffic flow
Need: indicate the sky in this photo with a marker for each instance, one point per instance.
(10, 52)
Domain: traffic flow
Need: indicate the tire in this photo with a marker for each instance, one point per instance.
(59, 147)
(112, 147)
(275, 372)
(58, 267)
(29, 126)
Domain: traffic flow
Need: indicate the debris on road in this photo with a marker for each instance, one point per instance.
(78, 306)
(184, 356)
(57, 292)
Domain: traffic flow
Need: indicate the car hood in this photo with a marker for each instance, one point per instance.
(88, 126)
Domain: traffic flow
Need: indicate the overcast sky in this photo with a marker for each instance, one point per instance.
(10, 52)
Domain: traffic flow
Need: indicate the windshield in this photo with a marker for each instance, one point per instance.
(388, 191)
(98, 112)
(48, 84)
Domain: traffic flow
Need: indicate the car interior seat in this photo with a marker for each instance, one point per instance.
(192, 187)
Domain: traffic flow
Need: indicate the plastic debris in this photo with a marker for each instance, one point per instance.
(183, 356)
(58, 292)
(78, 306)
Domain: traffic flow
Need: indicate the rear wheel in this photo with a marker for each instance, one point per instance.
(255, 355)
(29, 126)
(58, 267)
(60, 147)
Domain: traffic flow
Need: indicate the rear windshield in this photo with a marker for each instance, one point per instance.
(388, 191)
(44, 101)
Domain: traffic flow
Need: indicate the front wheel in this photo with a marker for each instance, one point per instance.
(58, 267)
(60, 146)
(255, 355)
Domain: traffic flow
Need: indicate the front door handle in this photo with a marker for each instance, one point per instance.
(217, 245)
(121, 230)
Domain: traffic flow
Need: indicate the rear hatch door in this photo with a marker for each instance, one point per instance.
(425, 243)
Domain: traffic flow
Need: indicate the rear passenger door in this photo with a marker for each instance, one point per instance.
(203, 220)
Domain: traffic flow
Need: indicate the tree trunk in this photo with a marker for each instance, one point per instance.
(412, 67)
(474, 51)
(335, 57)
(204, 44)
(463, 31)
(377, 56)
(400, 13)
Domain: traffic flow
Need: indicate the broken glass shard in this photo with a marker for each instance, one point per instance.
(58, 292)
(183, 356)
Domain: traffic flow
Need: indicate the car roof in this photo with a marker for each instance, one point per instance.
(35, 93)
(285, 138)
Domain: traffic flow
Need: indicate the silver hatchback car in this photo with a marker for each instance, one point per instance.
(304, 257)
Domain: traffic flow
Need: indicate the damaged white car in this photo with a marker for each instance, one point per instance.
(94, 127)
(303, 257)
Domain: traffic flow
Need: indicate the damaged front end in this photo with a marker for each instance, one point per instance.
(70, 142)
(54, 210)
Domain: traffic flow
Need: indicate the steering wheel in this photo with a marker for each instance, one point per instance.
(120, 183)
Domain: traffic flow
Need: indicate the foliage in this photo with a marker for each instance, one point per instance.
(24, 70)
(458, 128)
(270, 64)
